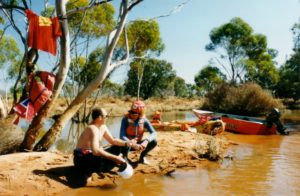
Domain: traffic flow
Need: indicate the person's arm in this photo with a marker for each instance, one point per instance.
(99, 151)
(118, 142)
(124, 125)
(152, 132)
(114, 141)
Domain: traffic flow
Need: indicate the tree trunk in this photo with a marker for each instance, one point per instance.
(36, 125)
(50, 137)
(3, 111)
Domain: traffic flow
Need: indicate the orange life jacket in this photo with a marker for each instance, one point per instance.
(133, 131)
(41, 86)
(39, 89)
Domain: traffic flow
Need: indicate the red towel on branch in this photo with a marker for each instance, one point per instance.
(43, 32)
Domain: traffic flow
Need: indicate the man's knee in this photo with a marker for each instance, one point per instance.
(152, 144)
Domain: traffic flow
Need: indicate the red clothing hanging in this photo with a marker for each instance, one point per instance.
(40, 89)
(43, 32)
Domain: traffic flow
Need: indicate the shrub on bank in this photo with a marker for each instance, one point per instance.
(246, 99)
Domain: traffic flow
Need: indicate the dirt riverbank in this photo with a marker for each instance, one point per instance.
(48, 173)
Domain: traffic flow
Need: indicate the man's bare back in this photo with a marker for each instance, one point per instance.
(86, 137)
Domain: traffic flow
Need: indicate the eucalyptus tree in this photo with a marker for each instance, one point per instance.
(180, 87)
(107, 66)
(243, 55)
(144, 40)
(143, 37)
(208, 78)
(158, 78)
(289, 85)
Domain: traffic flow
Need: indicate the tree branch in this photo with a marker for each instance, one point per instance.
(126, 56)
(4, 29)
(25, 4)
(3, 6)
(133, 4)
(176, 9)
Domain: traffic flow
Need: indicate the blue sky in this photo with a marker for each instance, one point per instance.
(186, 32)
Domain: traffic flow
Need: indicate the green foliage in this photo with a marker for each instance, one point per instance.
(2, 21)
(247, 56)
(289, 85)
(180, 88)
(95, 22)
(10, 2)
(158, 77)
(9, 51)
(143, 36)
(296, 33)
(111, 89)
(82, 70)
(208, 78)
(13, 70)
(262, 72)
(192, 91)
(247, 99)
(48, 12)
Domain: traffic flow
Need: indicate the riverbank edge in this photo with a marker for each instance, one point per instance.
(47, 173)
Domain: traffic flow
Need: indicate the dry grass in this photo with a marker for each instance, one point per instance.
(119, 107)
(247, 99)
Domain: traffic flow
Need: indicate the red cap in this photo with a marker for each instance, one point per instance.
(137, 106)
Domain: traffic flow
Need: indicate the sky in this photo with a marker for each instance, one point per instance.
(185, 32)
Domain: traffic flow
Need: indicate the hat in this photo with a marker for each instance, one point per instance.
(137, 106)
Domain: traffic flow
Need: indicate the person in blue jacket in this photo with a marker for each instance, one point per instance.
(133, 126)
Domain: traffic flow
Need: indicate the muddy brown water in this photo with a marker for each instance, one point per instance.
(260, 165)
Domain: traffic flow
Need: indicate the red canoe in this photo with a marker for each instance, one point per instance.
(242, 124)
(247, 126)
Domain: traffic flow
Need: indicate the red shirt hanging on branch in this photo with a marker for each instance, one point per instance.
(43, 32)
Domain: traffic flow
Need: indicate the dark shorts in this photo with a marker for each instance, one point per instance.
(88, 163)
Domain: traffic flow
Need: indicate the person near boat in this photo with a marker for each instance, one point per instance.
(156, 118)
(90, 156)
(133, 126)
(206, 124)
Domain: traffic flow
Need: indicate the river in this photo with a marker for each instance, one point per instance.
(261, 165)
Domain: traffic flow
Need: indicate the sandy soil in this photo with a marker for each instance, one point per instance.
(48, 173)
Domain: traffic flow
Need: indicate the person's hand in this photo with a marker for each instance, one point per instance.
(144, 144)
(137, 147)
(133, 141)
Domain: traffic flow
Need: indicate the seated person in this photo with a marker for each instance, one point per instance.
(133, 126)
(90, 156)
(156, 118)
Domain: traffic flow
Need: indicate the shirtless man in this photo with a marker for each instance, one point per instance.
(90, 156)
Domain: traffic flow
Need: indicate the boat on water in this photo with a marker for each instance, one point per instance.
(249, 125)
(210, 127)
(202, 125)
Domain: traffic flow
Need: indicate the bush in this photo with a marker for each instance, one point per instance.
(247, 99)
